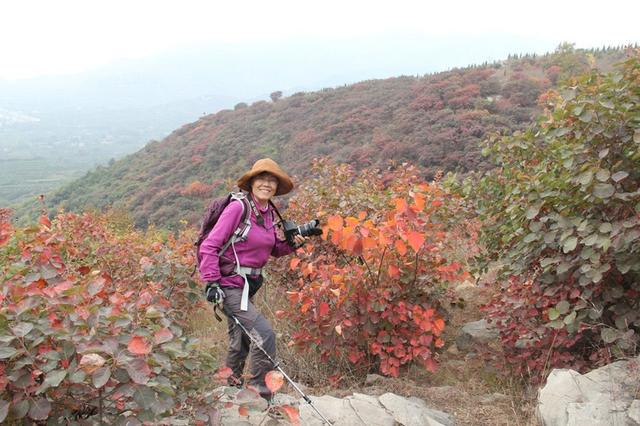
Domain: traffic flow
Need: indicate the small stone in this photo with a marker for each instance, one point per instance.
(372, 379)
(453, 349)
(467, 291)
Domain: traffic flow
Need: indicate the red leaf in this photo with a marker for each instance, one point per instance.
(335, 223)
(354, 356)
(223, 374)
(5, 233)
(91, 362)
(292, 413)
(419, 202)
(401, 205)
(274, 380)
(401, 247)
(438, 326)
(430, 365)
(243, 411)
(44, 220)
(139, 346)
(163, 335)
(294, 263)
(369, 243)
(323, 309)
(138, 370)
(394, 272)
(415, 239)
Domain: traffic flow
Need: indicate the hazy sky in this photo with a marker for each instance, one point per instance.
(68, 36)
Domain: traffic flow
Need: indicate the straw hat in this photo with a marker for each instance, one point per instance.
(285, 184)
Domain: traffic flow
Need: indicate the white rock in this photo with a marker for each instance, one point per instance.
(634, 411)
(355, 410)
(408, 413)
(604, 396)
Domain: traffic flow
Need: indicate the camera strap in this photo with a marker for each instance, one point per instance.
(275, 209)
(256, 212)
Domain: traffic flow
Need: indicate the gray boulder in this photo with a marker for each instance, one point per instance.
(355, 410)
(606, 396)
(474, 333)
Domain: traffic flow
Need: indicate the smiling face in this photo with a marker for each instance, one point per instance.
(263, 187)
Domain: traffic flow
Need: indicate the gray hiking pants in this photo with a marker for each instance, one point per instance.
(240, 346)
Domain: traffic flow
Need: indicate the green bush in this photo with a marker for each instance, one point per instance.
(562, 214)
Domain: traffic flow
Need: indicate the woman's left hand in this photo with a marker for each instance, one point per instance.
(299, 240)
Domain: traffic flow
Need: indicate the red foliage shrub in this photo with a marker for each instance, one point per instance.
(368, 292)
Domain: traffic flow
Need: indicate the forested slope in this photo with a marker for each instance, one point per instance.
(434, 121)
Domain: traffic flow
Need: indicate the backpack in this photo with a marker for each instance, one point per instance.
(212, 214)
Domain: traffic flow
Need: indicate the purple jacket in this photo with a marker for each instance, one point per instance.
(254, 252)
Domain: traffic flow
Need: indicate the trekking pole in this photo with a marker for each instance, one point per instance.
(276, 365)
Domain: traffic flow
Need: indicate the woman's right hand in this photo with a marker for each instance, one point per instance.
(214, 293)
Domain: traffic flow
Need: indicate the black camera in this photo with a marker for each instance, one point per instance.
(291, 229)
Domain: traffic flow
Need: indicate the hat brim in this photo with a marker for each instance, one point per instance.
(285, 184)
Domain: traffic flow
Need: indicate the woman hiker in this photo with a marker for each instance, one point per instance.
(234, 276)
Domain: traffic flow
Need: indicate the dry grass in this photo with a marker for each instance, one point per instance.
(464, 386)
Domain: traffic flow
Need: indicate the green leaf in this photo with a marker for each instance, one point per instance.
(585, 178)
(20, 409)
(607, 104)
(535, 226)
(563, 267)
(22, 329)
(77, 376)
(553, 314)
(34, 276)
(568, 94)
(569, 319)
(569, 244)
(604, 242)
(563, 307)
(6, 338)
(586, 116)
(54, 378)
(590, 240)
(101, 376)
(4, 409)
(568, 163)
(548, 261)
(609, 335)
(556, 324)
(603, 190)
(144, 397)
(603, 175)
(605, 228)
(533, 210)
(40, 409)
(7, 352)
(618, 176)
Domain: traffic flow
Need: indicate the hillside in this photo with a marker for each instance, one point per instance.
(434, 121)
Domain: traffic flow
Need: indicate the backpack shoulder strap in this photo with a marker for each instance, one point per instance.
(243, 228)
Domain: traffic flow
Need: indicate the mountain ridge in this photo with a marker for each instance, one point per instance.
(435, 121)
